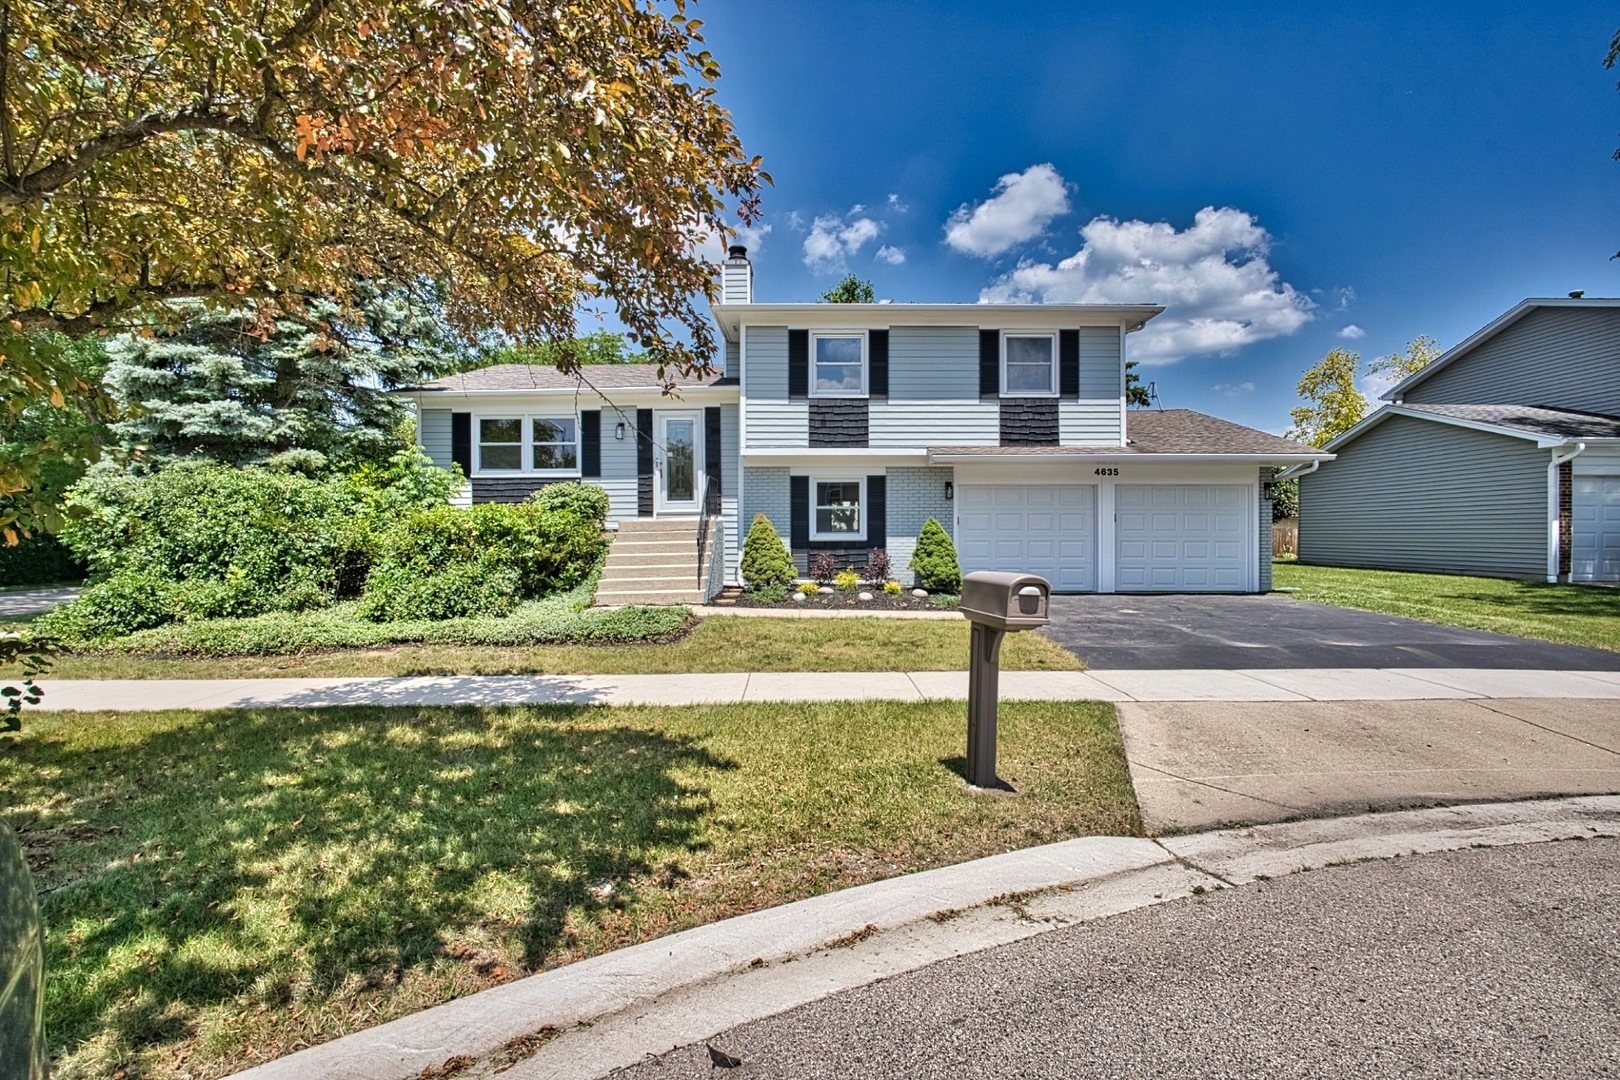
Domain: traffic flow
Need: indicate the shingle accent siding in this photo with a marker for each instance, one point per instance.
(1560, 358)
(507, 489)
(1413, 494)
(1029, 421)
(838, 422)
(913, 496)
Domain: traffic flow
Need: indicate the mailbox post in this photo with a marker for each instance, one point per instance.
(995, 603)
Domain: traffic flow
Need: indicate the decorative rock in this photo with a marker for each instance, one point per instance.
(919, 593)
(826, 590)
(799, 596)
(864, 596)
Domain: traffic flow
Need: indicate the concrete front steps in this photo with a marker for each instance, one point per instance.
(652, 561)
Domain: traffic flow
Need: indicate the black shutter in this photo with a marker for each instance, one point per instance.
(799, 513)
(644, 463)
(798, 363)
(877, 498)
(461, 441)
(989, 362)
(1069, 363)
(711, 447)
(877, 354)
(590, 443)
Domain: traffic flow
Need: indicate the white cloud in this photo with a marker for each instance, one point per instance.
(1352, 333)
(832, 239)
(1234, 389)
(1021, 208)
(1219, 291)
(892, 255)
(711, 245)
(895, 203)
(1377, 385)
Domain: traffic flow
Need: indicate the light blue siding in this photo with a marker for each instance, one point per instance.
(1557, 358)
(733, 365)
(914, 496)
(773, 420)
(1095, 419)
(729, 477)
(919, 424)
(934, 363)
(436, 436)
(1413, 494)
(618, 477)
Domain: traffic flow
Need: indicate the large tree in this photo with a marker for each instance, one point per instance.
(852, 290)
(537, 157)
(1333, 404)
(1420, 352)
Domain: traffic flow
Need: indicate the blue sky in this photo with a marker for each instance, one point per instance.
(1401, 169)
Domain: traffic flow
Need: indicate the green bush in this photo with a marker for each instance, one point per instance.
(130, 600)
(934, 560)
(587, 500)
(38, 560)
(765, 559)
(847, 580)
(449, 562)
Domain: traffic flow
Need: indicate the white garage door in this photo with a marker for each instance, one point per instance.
(1045, 529)
(1182, 537)
(1595, 538)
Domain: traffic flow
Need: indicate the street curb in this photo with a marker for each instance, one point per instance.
(585, 1019)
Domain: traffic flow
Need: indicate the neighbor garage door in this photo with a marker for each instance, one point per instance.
(1045, 529)
(1596, 535)
(1182, 537)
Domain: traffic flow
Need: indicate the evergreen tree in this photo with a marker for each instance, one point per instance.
(765, 559)
(232, 386)
(934, 559)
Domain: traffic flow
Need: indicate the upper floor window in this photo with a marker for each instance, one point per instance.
(838, 364)
(1029, 365)
(545, 444)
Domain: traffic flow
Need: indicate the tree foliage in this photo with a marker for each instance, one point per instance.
(52, 415)
(1333, 404)
(1137, 394)
(852, 290)
(1420, 352)
(539, 158)
(227, 385)
(602, 347)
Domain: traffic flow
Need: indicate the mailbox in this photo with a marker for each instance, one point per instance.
(1005, 601)
(996, 604)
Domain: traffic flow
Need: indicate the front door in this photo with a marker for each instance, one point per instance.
(678, 462)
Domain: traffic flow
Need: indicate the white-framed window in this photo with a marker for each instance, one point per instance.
(838, 363)
(835, 512)
(1029, 364)
(532, 443)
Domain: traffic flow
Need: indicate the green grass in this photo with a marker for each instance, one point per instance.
(225, 887)
(714, 644)
(1572, 614)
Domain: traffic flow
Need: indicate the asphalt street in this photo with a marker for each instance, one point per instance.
(1192, 631)
(1477, 963)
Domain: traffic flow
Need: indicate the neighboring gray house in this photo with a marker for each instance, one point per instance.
(1501, 458)
(850, 425)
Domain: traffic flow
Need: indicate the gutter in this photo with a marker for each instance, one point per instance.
(1295, 472)
(1554, 522)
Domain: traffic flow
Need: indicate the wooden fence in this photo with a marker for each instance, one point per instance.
(1285, 537)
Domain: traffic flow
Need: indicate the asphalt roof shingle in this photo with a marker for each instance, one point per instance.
(1161, 431)
(520, 377)
(1532, 419)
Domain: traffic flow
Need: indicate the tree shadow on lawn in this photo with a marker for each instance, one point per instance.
(1544, 598)
(284, 859)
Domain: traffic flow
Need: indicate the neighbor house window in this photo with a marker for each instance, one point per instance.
(838, 510)
(838, 364)
(1029, 365)
(540, 444)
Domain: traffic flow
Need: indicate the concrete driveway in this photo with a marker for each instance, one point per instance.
(1189, 631)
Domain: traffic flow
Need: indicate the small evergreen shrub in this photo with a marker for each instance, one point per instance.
(848, 580)
(823, 568)
(877, 566)
(771, 594)
(934, 560)
(587, 500)
(765, 559)
(892, 588)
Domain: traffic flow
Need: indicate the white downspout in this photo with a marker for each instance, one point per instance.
(1552, 508)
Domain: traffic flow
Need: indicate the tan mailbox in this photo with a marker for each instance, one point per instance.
(997, 604)
(1005, 601)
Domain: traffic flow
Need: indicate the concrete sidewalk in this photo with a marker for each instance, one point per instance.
(1323, 684)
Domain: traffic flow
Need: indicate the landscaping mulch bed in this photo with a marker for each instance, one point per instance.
(841, 601)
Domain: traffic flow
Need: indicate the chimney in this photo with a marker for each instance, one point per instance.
(736, 277)
(1577, 294)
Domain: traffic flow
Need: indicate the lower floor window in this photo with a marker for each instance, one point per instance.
(544, 444)
(838, 509)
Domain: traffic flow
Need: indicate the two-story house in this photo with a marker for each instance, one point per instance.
(850, 425)
(1501, 458)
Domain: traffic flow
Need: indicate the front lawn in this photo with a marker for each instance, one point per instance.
(1572, 614)
(222, 888)
(718, 643)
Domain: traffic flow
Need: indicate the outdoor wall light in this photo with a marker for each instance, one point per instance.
(618, 431)
(950, 491)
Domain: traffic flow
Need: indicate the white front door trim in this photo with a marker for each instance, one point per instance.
(677, 491)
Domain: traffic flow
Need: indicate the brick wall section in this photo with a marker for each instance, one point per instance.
(764, 491)
(1265, 532)
(1029, 421)
(1566, 519)
(838, 422)
(915, 495)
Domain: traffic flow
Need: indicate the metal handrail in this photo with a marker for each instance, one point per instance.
(711, 507)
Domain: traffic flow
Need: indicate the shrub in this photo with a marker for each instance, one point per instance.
(765, 559)
(482, 587)
(130, 600)
(877, 567)
(892, 588)
(934, 560)
(771, 594)
(823, 568)
(38, 560)
(847, 580)
(808, 588)
(587, 500)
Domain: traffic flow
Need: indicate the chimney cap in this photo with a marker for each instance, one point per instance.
(737, 251)
(1577, 294)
